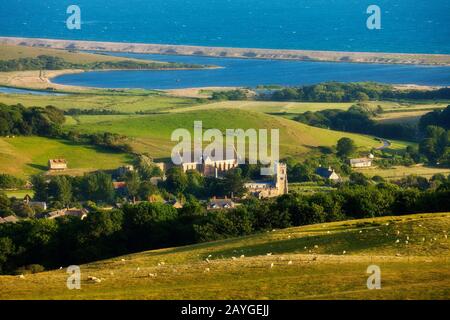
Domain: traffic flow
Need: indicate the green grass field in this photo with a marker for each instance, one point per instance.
(24, 156)
(399, 172)
(19, 194)
(152, 133)
(324, 261)
(290, 108)
(126, 103)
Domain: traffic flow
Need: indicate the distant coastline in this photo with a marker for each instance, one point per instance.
(225, 52)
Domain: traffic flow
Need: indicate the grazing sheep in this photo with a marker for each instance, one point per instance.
(152, 275)
(344, 252)
(269, 254)
(316, 246)
(94, 279)
(242, 256)
(207, 260)
(271, 265)
(397, 241)
(290, 262)
(406, 242)
(234, 258)
(22, 276)
(207, 270)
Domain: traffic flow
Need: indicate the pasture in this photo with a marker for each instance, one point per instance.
(323, 261)
(152, 133)
(399, 172)
(24, 156)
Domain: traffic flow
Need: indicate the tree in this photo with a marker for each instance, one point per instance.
(6, 250)
(345, 147)
(40, 188)
(176, 181)
(98, 186)
(5, 205)
(133, 182)
(60, 189)
(233, 183)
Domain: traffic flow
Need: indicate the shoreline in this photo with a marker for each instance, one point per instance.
(228, 52)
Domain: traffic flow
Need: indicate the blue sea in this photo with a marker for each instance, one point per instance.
(421, 26)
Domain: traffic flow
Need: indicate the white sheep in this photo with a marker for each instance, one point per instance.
(290, 262)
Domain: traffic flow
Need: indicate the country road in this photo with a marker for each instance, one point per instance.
(386, 144)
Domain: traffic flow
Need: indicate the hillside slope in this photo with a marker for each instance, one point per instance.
(152, 132)
(325, 261)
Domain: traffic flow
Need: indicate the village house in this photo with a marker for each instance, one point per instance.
(361, 162)
(39, 205)
(220, 204)
(328, 173)
(57, 164)
(74, 212)
(125, 169)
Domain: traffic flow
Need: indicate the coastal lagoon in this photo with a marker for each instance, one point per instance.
(253, 72)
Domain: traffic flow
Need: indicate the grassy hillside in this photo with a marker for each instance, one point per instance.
(126, 103)
(152, 133)
(325, 261)
(23, 156)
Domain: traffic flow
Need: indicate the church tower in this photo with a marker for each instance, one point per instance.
(281, 180)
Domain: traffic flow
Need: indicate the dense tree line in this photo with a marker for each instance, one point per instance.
(357, 119)
(104, 234)
(350, 92)
(19, 120)
(233, 95)
(8, 181)
(46, 62)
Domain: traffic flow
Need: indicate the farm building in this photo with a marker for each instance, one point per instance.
(57, 164)
(361, 162)
(328, 173)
